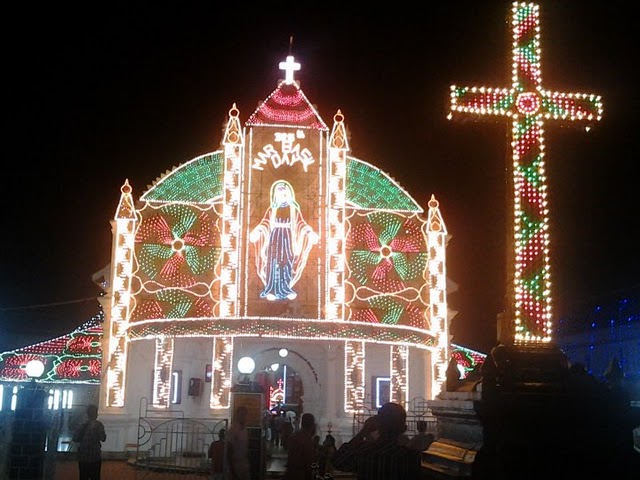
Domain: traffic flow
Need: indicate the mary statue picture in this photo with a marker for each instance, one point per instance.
(282, 242)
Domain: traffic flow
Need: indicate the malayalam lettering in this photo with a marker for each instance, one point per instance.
(289, 152)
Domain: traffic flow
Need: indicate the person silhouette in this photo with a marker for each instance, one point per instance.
(381, 457)
(325, 456)
(301, 451)
(89, 437)
(238, 445)
(216, 454)
(421, 440)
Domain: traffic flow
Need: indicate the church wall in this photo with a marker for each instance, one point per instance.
(377, 364)
(139, 375)
(122, 433)
(332, 384)
(191, 356)
(330, 369)
(419, 373)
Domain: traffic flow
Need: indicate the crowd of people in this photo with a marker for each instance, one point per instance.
(380, 450)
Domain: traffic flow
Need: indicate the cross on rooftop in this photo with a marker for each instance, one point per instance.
(289, 67)
(528, 105)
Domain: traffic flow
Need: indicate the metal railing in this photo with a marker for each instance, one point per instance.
(168, 441)
(417, 409)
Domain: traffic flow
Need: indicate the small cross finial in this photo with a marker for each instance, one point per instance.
(289, 67)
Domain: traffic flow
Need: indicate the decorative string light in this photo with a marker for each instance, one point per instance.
(71, 358)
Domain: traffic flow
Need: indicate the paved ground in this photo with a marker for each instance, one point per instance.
(111, 469)
(66, 468)
(123, 470)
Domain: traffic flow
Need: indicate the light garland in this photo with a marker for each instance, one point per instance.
(231, 233)
(71, 358)
(436, 232)
(399, 368)
(354, 358)
(221, 380)
(162, 373)
(338, 147)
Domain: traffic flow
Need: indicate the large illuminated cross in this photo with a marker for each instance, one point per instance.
(289, 67)
(528, 105)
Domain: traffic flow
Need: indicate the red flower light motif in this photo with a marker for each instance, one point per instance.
(15, 366)
(528, 103)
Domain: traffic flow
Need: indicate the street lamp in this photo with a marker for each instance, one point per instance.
(246, 365)
(26, 459)
(34, 369)
(33, 396)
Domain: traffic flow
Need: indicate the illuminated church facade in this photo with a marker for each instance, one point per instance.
(279, 239)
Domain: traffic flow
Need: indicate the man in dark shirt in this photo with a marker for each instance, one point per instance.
(216, 454)
(421, 440)
(90, 437)
(301, 452)
(379, 456)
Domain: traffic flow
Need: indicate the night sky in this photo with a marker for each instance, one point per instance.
(97, 96)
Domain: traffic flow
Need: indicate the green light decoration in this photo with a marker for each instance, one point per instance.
(172, 303)
(197, 181)
(370, 187)
(200, 181)
(386, 251)
(387, 258)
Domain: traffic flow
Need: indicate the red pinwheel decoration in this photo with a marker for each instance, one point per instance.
(178, 246)
(387, 252)
(387, 257)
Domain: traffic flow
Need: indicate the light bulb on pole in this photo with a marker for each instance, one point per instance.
(34, 369)
(246, 366)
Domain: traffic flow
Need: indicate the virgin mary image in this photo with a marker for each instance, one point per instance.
(282, 242)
